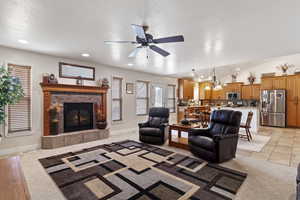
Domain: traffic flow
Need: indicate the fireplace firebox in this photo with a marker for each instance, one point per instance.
(78, 116)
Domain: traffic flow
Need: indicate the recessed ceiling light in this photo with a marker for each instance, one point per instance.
(23, 41)
(130, 64)
(85, 55)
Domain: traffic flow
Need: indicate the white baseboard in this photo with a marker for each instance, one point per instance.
(20, 149)
(129, 130)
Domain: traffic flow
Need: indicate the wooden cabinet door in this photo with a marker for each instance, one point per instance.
(222, 94)
(297, 93)
(267, 83)
(291, 88)
(213, 94)
(256, 91)
(219, 94)
(293, 100)
(279, 83)
(188, 89)
(208, 94)
(292, 113)
(246, 92)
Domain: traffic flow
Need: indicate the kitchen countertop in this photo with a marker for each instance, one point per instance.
(244, 110)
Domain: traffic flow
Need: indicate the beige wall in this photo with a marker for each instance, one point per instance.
(264, 66)
(49, 64)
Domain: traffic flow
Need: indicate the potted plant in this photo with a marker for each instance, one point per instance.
(10, 92)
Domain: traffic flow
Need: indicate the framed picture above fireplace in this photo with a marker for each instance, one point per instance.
(74, 71)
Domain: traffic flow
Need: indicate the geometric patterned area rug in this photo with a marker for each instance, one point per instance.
(137, 171)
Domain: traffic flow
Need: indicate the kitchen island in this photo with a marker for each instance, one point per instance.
(245, 110)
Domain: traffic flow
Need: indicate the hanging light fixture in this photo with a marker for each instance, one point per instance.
(216, 83)
(207, 87)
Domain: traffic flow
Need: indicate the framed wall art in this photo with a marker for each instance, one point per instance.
(129, 88)
(74, 71)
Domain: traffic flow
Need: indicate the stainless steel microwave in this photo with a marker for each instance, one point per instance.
(232, 96)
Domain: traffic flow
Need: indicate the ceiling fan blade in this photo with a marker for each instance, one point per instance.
(177, 38)
(139, 31)
(120, 42)
(134, 52)
(159, 50)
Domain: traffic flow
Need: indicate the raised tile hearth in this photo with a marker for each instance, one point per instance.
(61, 140)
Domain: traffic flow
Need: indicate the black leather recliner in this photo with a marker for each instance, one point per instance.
(218, 143)
(155, 130)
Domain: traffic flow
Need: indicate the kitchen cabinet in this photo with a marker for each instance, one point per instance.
(246, 91)
(233, 87)
(273, 83)
(256, 91)
(251, 91)
(203, 93)
(218, 94)
(186, 89)
(293, 100)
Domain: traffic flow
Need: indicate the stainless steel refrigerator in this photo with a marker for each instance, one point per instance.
(273, 108)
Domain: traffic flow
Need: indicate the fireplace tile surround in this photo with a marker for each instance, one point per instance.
(58, 94)
(61, 98)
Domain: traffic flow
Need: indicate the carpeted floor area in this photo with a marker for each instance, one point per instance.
(265, 179)
(136, 171)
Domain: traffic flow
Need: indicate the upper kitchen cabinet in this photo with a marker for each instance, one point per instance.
(186, 89)
(218, 94)
(251, 91)
(273, 83)
(256, 91)
(233, 87)
(204, 93)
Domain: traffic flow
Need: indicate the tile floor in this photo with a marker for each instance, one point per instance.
(283, 147)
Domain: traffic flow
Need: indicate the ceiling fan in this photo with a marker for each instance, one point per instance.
(145, 40)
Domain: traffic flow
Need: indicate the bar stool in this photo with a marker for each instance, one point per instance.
(247, 126)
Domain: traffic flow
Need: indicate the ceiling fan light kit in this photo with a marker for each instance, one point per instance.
(146, 40)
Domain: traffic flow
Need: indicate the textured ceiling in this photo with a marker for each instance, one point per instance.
(217, 33)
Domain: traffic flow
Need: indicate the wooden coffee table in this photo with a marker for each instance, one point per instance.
(181, 141)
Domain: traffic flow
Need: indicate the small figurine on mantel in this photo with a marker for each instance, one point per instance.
(49, 79)
(79, 80)
(103, 83)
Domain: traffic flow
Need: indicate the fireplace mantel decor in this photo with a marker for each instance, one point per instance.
(62, 94)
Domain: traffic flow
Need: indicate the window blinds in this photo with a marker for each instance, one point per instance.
(117, 99)
(19, 114)
(171, 98)
(142, 99)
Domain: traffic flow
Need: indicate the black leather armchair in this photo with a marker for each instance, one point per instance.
(155, 130)
(218, 143)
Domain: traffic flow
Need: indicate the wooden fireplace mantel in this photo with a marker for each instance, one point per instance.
(49, 89)
(73, 88)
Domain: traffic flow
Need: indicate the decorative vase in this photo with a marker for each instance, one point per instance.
(101, 124)
(284, 68)
(251, 78)
(233, 77)
(53, 121)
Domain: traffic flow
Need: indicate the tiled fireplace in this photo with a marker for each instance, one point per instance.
(72, 114)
